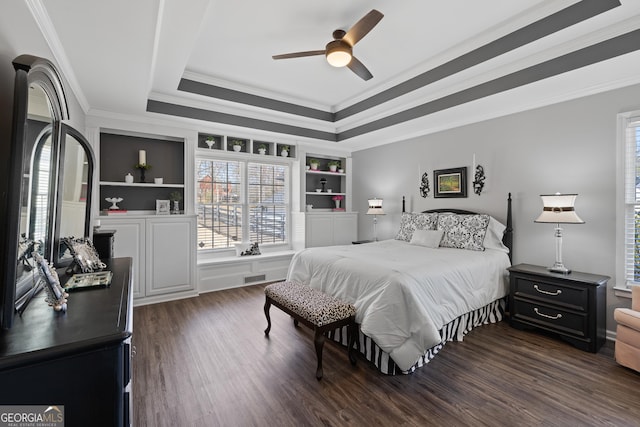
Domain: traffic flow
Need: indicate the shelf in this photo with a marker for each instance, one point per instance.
(312, 172)
(325, 193)
(139, 184)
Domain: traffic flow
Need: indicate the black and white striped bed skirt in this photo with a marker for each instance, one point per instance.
(453, 331)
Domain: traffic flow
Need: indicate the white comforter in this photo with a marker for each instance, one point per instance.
(404, 294)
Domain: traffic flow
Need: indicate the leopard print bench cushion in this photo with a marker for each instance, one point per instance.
(311, 304)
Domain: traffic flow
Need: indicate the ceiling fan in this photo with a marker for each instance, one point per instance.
(339, 52)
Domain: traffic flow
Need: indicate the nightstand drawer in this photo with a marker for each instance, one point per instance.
(575, 298)
(551, 318)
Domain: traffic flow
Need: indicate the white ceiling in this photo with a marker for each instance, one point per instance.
(118, 54)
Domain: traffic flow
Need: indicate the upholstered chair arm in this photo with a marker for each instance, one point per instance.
(635, 298)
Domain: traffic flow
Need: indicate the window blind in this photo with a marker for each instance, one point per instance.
(632, 202)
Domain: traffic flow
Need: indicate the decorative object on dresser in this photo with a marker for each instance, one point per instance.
(627, 350)
(375, 209)
(450, 182)
(572, 306)
(559, 209)
(56, 296)
(85, 256)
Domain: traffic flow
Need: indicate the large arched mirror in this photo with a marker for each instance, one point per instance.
(50, 183)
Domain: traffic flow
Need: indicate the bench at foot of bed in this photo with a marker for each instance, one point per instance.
(315, 309)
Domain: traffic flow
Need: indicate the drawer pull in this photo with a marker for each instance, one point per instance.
(556, 317)
(558, 292)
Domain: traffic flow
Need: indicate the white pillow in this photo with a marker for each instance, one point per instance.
(428, 238)
(493, 238)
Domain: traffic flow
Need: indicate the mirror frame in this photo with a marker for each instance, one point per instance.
(31, 70)
(55, 241)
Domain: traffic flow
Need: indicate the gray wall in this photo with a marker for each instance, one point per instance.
(568, 147)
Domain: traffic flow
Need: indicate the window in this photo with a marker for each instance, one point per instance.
(232, 194)
(631, 206)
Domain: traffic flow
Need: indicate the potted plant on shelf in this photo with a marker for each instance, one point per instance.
(262, 148)
(236, 144)
(175, 197)
(313, 164)
(334, 165)
(284, 150)
(337, 199)
(210, 141)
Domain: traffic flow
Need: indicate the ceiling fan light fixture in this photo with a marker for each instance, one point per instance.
(338, 53)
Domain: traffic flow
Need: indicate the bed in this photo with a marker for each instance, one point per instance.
(444, 274)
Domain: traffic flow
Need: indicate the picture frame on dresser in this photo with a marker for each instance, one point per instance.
(450, 183)
(163, 207)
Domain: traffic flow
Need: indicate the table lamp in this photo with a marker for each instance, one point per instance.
(558, 209)
(375, 209)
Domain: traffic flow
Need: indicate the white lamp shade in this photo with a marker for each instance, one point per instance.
(559, 209)
(375, 207)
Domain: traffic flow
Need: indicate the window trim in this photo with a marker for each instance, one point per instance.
(244, 159)
(624, 120)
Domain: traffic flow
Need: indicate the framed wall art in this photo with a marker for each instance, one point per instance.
(450, 182)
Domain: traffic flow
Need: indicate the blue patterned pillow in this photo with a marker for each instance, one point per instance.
(463, 231)
(411, 222)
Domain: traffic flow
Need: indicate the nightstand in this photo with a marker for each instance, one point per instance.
(572, 306)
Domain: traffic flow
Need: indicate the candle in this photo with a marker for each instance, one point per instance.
(142, 157)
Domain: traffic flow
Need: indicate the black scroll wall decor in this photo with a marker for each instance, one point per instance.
(424, 185)
(478, 180)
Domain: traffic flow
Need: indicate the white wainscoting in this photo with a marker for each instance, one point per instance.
(234, 272)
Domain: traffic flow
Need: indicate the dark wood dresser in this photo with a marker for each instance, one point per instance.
(80, 359)
(572, 306)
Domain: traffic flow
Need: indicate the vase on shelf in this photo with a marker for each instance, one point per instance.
(176, 207)
(337, 202)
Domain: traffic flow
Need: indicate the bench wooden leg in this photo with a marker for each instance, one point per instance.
(353, 339)
(319, 343)
(267, 306)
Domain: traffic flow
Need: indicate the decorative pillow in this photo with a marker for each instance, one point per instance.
(493, 238)
(411, 222)
(463, 231)
(428, 238)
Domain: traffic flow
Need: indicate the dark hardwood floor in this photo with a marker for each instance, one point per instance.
(206, 362)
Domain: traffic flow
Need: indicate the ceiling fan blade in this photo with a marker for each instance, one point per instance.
(299, 54)
(362, 27)
(359, 68)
